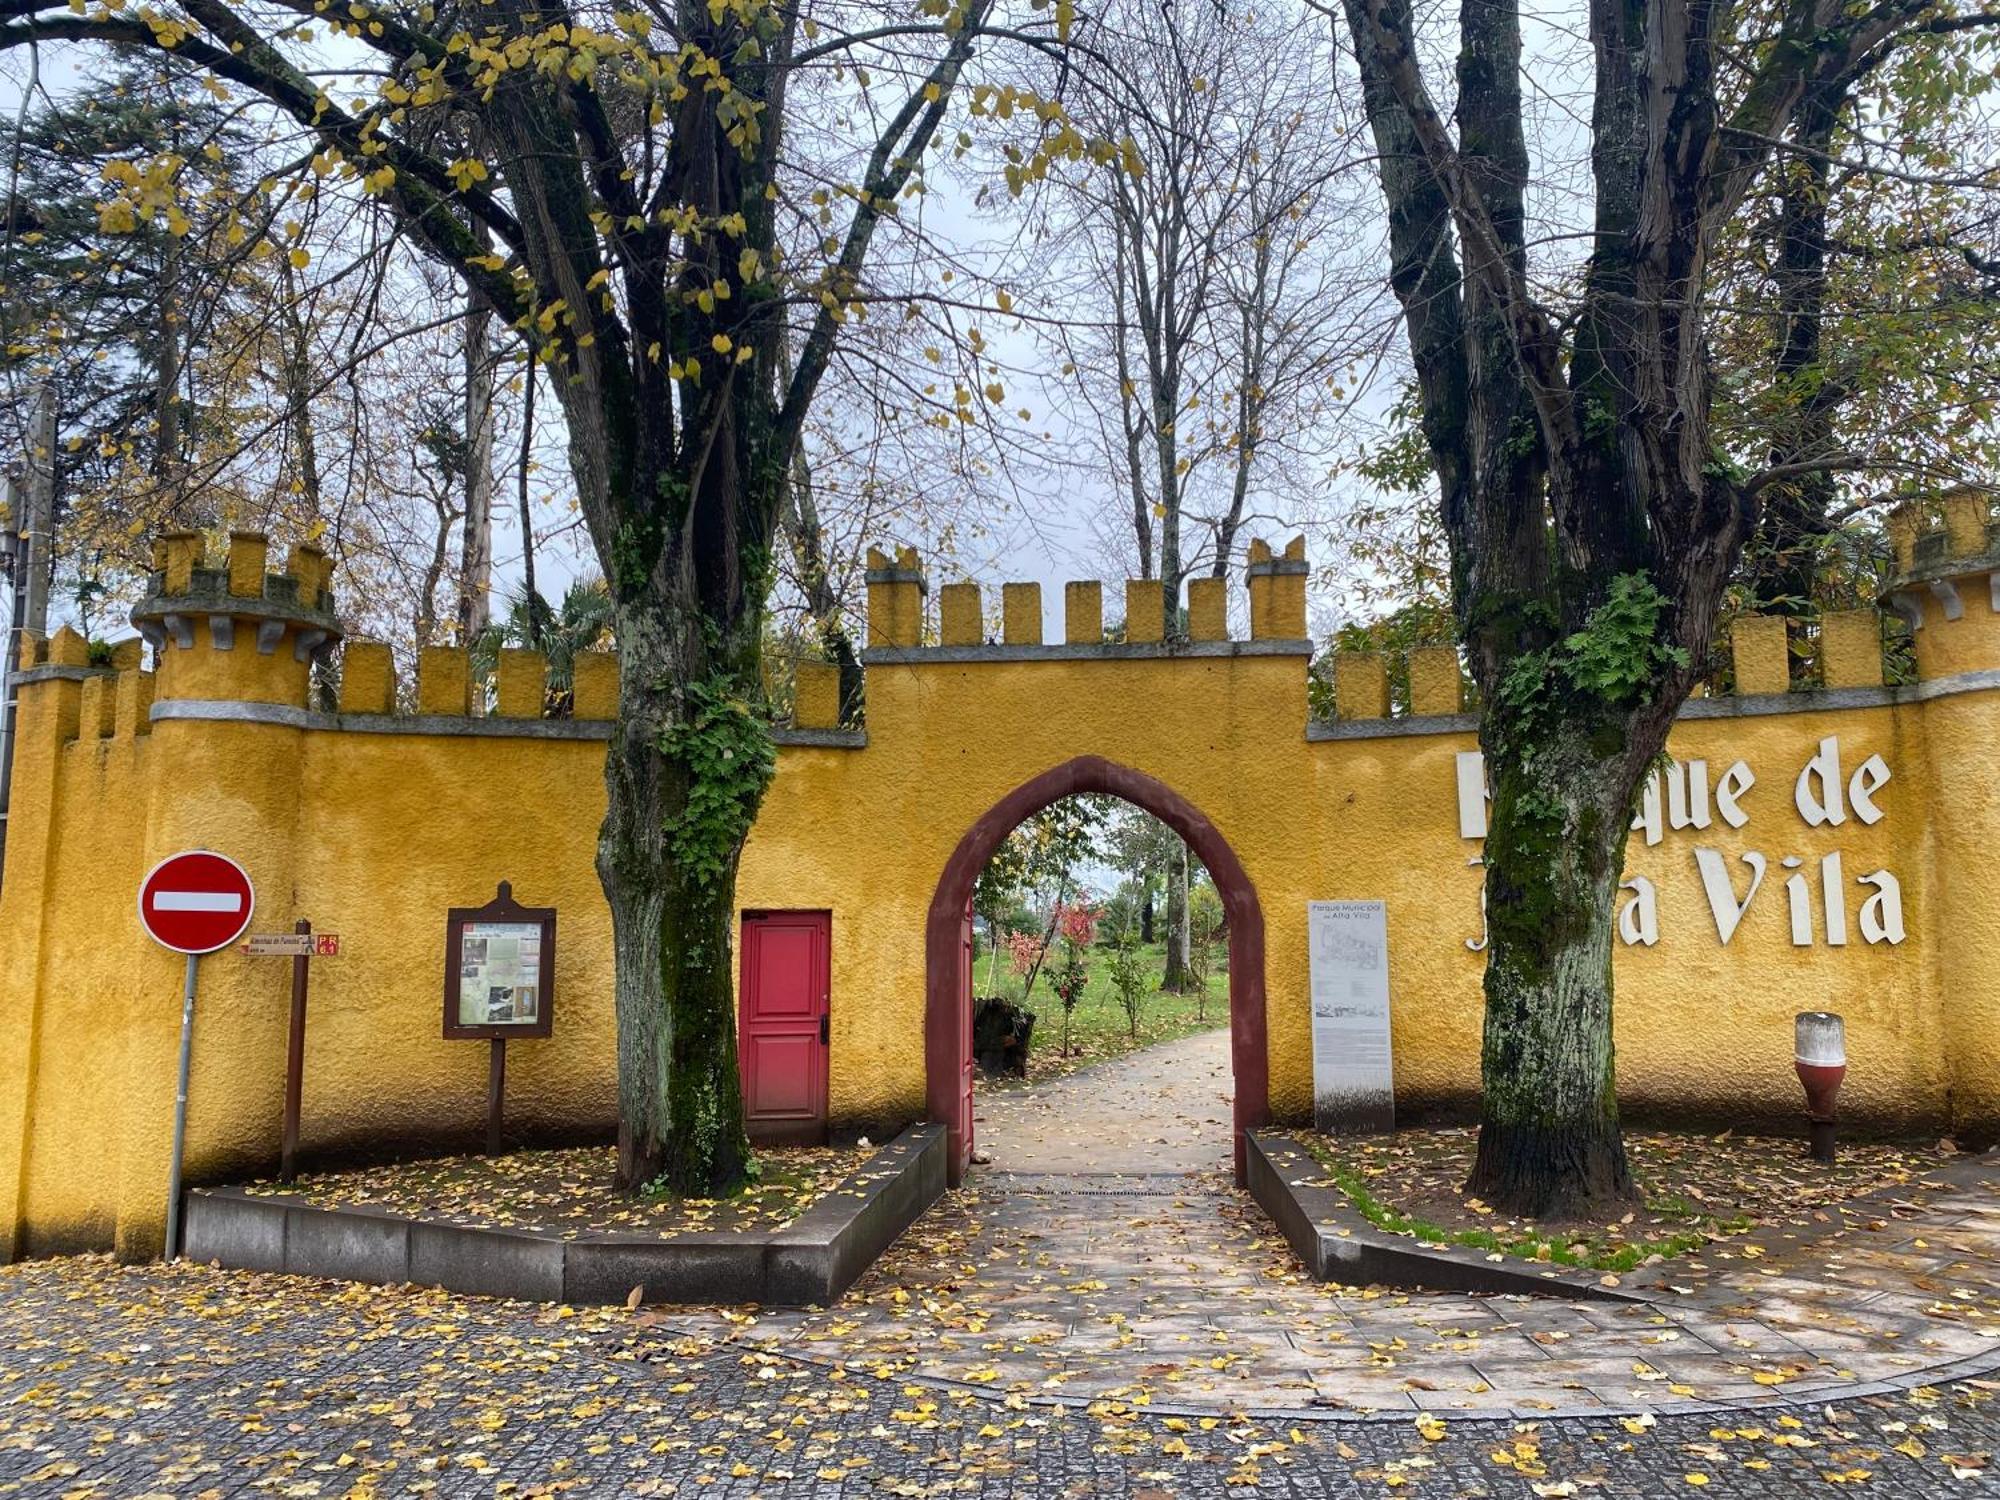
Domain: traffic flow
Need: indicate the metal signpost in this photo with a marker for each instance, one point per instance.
(299, 945)
(194, 903)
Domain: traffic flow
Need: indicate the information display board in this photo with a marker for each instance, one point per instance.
(499, 978)
(1354, 1089)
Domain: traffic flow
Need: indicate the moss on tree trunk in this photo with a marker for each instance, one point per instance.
(684, 774)
(1548, 1140)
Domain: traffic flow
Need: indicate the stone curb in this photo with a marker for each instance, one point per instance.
(810, 1262)
(1337, 1244)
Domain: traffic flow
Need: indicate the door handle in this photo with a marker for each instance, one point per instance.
(822, 1029)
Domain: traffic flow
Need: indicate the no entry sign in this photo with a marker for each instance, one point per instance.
(196, 902)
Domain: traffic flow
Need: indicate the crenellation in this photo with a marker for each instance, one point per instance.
(1083, 612)
(1968, 518)
(1360, 685)
(1208, 609)
(960, 618)
(1437, 684)
(1021, 614)
(1903, 523)
(230, 630)
(1947, 584)
(595, 686)
(1760, 649)
(444, 681)
(1278, 591)
(367, 678)
(132, 702)
(521, 684)
(67, 649)
(313, 569)
(182, 553)
(248, 553)
(896, 590)
(816, 696)
(95, 708)
(1850, 648)
(1145, 614)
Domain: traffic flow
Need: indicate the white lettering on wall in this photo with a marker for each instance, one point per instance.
(1737, 780)
(1647, 820)
(1819, 789)
(1800, 903)
(1639, 918)
(1869, 778)
(1833, 894)
(1882, 913)
(1722, 902)
(1682, 796)
(1686, 799)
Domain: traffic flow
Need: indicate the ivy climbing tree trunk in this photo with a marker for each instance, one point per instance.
(683, 781)
(1592, 520)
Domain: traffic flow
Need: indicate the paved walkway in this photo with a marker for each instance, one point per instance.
(1067, 1326)
(154, 1382)
(1105, 1253)
(1164, 1110)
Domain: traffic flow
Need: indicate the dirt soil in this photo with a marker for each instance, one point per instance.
(569, 1192)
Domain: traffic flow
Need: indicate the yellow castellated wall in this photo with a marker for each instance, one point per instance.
(371, 824)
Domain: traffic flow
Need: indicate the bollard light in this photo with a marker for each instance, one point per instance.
(1820, 1055)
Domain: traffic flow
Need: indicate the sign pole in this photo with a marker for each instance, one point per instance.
(496, 1088)
(181, 1113)
(295, 1059)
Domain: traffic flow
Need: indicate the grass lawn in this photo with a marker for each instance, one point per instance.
(1098, 1028)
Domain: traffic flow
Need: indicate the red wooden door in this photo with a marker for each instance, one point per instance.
(965, 1036)
(781, 1034)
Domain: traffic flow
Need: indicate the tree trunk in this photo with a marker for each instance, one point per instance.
(528, 587)
(801, 522)
(1146, 914)
(475, 585)
(1784, 556)
(680, 1108)
(1549, 1145)
(1177, 978)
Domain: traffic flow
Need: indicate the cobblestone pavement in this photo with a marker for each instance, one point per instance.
(184, 1381)
(1051, 1331)
(1105, 1252)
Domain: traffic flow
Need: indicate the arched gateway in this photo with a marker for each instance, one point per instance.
(948, 1067)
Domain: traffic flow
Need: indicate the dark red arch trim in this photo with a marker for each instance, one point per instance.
(945, 1000)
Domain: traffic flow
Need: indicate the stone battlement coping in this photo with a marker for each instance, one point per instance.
(492, 727)
(1161, 650)
(1744, 706)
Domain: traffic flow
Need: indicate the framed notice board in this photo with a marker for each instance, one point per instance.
(499, 969)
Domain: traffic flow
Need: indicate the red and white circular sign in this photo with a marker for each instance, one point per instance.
(196, 902)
